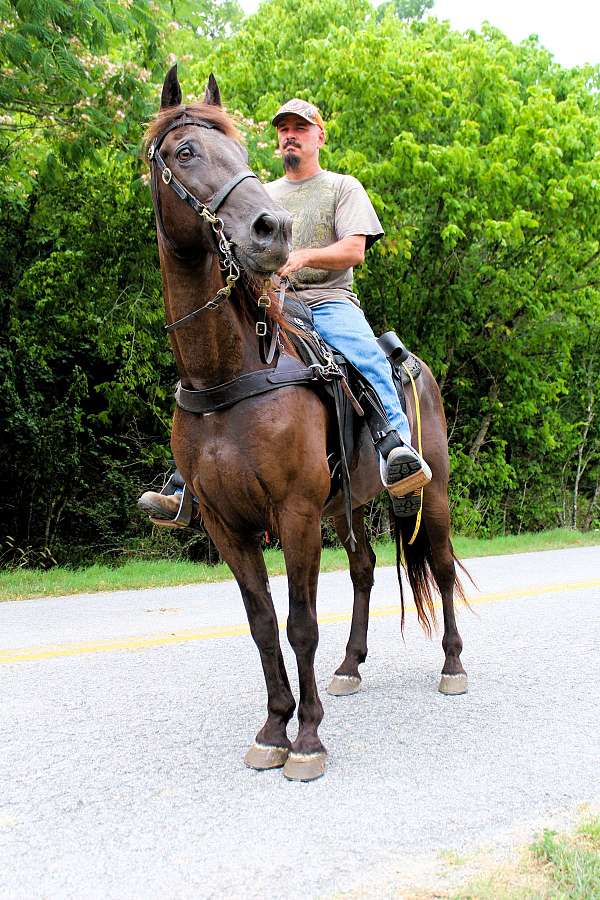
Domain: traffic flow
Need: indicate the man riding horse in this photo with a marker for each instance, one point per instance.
(334, 223)
(251, 440)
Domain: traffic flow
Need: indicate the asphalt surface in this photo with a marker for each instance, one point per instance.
(125, 717)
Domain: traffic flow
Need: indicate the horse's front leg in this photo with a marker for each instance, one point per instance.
(300, 534)
(346, 679)
(245, 559)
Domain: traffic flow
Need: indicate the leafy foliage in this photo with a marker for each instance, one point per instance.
(79, 73)
(481, 159)
(72, 70)
(405, 9)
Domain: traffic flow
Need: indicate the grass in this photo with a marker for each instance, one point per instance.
(21, 584)
(555, 867)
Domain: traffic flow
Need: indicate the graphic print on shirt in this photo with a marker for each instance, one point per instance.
(312, 207)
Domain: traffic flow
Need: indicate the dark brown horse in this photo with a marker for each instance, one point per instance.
(262, 463)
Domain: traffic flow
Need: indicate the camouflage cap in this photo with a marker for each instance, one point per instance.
(301, 108)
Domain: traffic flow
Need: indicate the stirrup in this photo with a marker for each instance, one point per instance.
(185, 511)
(184, 514)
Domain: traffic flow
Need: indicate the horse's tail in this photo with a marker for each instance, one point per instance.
(416, 559)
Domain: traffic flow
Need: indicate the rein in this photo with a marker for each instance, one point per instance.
(206, 211)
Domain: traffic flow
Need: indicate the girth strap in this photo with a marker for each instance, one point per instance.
(288, 371)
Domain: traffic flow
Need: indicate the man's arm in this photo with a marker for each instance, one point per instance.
(350, 251)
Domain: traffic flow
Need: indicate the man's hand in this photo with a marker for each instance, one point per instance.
(350, 251)
(297, 259)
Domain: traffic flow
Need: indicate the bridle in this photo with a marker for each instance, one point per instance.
(206, 211)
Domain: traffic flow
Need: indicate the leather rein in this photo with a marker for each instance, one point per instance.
(207, 211)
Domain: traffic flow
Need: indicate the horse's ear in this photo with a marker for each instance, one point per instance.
(171, 91)
(212, 94)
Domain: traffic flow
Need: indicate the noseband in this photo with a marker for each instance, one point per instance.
(206, 211)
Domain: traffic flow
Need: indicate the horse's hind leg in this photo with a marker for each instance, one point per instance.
(346, 679)
(436, 517)
(244, 556)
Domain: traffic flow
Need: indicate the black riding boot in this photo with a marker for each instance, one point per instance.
(404, 472)
(385, 437)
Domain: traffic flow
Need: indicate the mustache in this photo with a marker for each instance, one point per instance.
(291, 143)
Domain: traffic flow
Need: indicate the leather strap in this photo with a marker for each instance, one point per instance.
(214, 202)
(219, 198)
(266, 349)
(346, 485)
(288, 371)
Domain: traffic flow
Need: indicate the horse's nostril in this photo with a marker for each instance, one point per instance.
(264, 228)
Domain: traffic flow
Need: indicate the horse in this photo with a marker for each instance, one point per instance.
(261, 464)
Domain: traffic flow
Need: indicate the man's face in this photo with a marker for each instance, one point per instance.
(298, 140)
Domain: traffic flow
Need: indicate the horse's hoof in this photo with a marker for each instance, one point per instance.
(260, 756)
(304, 766)
(342, 685)
(453, 684)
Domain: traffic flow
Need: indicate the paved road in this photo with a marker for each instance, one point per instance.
(125, 716)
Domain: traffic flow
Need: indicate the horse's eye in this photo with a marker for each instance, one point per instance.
(184, 153)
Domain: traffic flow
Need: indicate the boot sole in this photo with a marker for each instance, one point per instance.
(405, 507)
(405, 476)
(167, 523)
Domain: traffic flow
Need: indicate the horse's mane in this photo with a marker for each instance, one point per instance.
(216, 115)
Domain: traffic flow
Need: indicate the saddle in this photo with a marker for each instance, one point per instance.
(360, 405)
(340, 384)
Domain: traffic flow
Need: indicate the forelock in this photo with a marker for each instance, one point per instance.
(206, 112)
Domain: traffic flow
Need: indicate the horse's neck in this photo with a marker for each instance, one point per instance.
(219, 344)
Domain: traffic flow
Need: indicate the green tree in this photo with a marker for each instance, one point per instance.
(57, 78)
(79, 74)
(481, 159)
(405, 9)
(84, 369)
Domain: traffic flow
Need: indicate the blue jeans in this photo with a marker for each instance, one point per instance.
(343, 325)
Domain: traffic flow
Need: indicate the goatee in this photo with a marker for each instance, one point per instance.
(291, 162)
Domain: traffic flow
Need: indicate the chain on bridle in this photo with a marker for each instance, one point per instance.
(206, 211)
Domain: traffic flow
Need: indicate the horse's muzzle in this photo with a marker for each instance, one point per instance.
(271, 231)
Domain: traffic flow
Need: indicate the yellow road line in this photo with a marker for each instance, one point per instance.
(31, 654)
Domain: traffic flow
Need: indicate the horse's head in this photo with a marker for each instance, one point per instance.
(198, 164)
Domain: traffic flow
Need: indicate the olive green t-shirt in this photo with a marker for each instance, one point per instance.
(325, 208)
